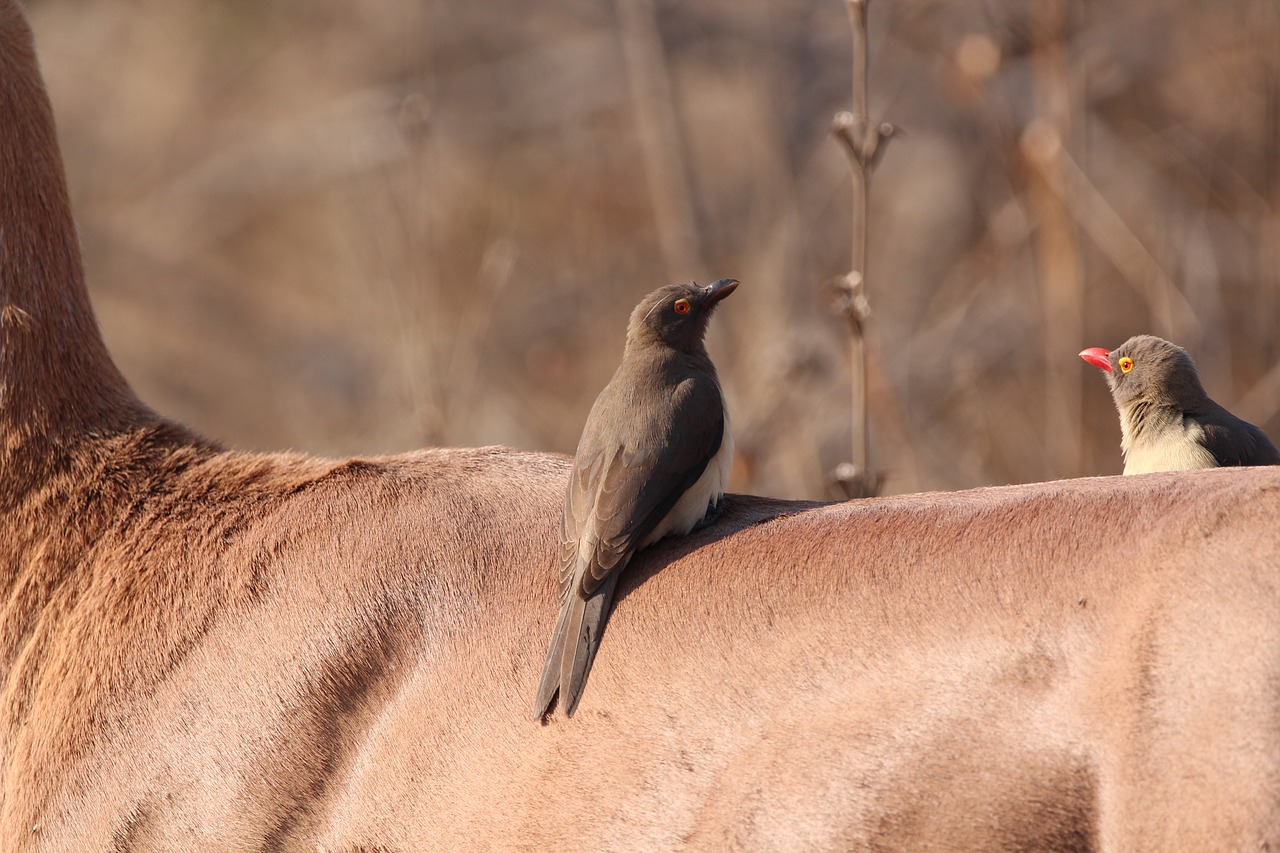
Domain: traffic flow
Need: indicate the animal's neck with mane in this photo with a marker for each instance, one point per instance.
(65, 410)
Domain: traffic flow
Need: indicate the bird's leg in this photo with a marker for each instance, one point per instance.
(713, 514)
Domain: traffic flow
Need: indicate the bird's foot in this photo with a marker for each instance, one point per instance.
(713, 515)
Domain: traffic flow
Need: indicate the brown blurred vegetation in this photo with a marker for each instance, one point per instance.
(366, 227)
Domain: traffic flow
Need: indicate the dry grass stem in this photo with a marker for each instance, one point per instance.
(864, 144)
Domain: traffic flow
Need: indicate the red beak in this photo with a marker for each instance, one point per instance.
(1098, 357)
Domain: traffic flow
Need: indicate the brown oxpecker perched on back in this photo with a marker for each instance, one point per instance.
(1167, 421)
(654, 457)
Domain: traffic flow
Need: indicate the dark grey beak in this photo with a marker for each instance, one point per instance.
(718, 290)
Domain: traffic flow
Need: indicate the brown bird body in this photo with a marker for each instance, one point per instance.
(654, 457)
(1167, 421)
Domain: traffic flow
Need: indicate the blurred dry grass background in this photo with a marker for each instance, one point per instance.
(366, 227)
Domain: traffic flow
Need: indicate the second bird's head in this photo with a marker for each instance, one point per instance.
(676, 315)
(1149, 369)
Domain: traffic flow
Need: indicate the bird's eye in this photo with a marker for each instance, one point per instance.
(1126, 364)
(682, 306)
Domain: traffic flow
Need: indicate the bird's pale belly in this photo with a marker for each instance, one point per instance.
(1185, 455)
(699, 497)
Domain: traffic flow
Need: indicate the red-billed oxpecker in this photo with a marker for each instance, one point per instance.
(1167, 421)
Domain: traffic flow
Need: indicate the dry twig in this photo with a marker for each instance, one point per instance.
(863, 144)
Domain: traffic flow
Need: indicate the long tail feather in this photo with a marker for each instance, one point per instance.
(550, 683)
(581, 638)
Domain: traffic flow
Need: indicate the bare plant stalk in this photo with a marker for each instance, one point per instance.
(863, 144)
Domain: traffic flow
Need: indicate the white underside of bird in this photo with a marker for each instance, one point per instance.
(1147, 457)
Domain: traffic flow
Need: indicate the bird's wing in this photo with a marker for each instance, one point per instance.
(1235, 442)
(622, 484)
(621, 492)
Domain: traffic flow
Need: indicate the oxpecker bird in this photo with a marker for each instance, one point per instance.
(1167, 421)
(653, 461)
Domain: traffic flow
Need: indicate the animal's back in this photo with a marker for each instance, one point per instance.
(969, 671)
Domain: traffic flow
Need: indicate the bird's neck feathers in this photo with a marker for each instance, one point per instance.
(1142, 420)
(1160, 402)
(644, 342)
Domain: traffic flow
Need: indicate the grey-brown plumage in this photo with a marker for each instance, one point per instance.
(654, 457)
(1167, 421)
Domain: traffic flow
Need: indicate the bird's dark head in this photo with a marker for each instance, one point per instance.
(676, 315)
(1150, 370)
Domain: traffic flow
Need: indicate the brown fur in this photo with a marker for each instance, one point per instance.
(205, 649)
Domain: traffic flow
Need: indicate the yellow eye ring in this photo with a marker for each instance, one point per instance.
(682, 306)
(1126, 364)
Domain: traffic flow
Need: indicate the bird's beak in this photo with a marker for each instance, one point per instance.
(1098, 357)
(718, 290)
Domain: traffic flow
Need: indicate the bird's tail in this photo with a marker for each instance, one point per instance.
(573, 648)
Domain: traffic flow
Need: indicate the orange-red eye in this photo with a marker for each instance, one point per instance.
(1126, 364)
(682, 306)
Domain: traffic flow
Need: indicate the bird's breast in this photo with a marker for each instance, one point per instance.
(1176, 448)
